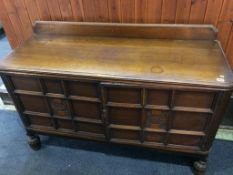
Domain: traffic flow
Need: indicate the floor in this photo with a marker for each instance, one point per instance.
(67, 156)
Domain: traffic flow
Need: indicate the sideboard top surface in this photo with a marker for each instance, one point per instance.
(187, 61)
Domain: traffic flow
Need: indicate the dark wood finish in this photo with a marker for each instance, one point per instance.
(161, 31)
(70, 79)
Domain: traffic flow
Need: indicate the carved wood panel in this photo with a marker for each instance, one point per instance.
(116, 112)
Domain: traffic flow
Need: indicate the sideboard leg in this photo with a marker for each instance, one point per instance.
(34, 141)
(200, 166)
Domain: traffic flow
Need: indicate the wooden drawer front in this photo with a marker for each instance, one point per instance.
(156, 119)
(123, 95)
(90, 128)
(158, 97)
(86, 89)
(125, 134)
(116, 111)
(34, 103)
(64, 124)
(124, 116)
(185, 140)
(154, 137)
(194, 99)
(53, 86)
(39, 121)
(59, 107)
(191, 121)
(86, 109)
(26, 83)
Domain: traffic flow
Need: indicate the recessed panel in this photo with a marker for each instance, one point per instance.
(158, 97)
(64, 124)
(124, 95)
(26, 83)
(125, 134)
(194, 99)
(85, 89)
(154, 137)
(124, 116)
(156, 119)
(34, 103)
(191, 121)
(53, 86)
(59, 107)
(90, 128)
(86, 109)
(186, 140)
(38, 120)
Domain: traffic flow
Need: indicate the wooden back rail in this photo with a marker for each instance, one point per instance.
(153, 31)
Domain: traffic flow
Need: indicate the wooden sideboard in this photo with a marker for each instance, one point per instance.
(158, 86)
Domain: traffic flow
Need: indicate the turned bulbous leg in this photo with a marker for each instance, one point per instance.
(200, 167)
(34, 142)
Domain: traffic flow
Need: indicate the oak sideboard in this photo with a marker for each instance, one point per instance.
(161, 86)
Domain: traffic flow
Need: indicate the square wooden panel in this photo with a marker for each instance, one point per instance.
(34, 103)
(158, 97)
(86, 109)
(85, 89)
(192, 121)
(26, 83)
(90, 128)
(59, 107)
(124, 95)
(194, 99)
(186, 140)
(124, 116)
(156, 137)
(64, 124)
(53, 86)
(156, 119)
(125, 134)
(40, 121)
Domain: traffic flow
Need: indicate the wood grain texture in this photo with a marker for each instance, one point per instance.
(198, 9)
(128, 11)
(156, 31)
(224, 33)
(213, 11)
(77, 8)
(183, 11)
(140, 11)
(169, 11)
(24, 18)
(143, 48)
(15, 21)
(43, 10)
(227, 11)
(114, 7)
(154, 11)
(54, 10)
(132, 11)
(9, 29)
(66, 10)
(32, 10)
(96, 10)
(229, 50)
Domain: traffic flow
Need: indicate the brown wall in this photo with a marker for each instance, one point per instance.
(17, 16)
